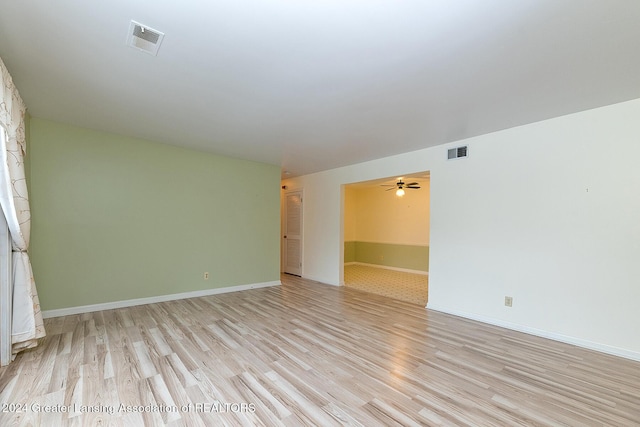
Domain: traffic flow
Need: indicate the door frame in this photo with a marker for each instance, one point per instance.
(283, 227)
(426, 175)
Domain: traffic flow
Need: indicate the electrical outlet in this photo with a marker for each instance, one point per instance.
(508, 301)
(206, 275)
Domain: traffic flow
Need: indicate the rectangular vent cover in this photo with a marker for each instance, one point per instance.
(456, 153)
(144, 38)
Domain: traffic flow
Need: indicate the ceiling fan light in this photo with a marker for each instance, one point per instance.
(400, 192)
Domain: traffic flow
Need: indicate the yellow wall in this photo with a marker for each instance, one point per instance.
(375, 215)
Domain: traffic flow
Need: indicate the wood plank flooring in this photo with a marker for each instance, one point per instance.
(305, 353)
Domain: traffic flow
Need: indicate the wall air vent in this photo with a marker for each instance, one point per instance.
(457, 153)
(144, 38)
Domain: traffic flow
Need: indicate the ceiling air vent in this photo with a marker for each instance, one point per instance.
(457, 153)
(144, 38)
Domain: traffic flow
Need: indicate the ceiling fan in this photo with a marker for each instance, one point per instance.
(400, 186)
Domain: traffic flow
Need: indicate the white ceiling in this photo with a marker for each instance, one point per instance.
(314, 85)
(422, 178)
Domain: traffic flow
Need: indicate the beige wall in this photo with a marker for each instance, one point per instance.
(350, 211)
(375, 215)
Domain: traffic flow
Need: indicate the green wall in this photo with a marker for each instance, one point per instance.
(412, 257)
(349, 252)
(117, 218)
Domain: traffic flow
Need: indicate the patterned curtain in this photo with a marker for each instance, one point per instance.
(27, 324)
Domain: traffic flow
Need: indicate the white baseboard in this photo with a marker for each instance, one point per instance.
(603, 348)
(150, 300)
(386, 267)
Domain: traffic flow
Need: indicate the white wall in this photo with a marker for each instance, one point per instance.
(548, 213)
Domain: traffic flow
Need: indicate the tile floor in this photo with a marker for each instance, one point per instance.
(409, 287)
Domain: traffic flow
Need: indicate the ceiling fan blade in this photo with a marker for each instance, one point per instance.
(389, 189)
(413, 187)
(412, 183)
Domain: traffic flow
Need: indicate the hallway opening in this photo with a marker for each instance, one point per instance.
(386, 236)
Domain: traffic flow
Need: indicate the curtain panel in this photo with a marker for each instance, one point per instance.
(27, 323)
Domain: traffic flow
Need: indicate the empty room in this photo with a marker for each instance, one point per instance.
(183, 183)
(386, 237)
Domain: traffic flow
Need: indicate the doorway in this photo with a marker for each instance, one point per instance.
(292, 233)
(386, 237)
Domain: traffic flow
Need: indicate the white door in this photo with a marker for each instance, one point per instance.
(293, 233)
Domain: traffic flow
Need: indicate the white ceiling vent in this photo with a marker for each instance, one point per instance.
(144, 38)
(457, 153)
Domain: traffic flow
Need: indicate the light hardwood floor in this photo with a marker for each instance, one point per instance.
(308, 354)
